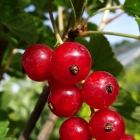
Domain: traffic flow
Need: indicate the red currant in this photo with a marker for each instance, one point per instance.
(100, 89)
(36, 62)
(127, 137)
(52, 81)
(75, 128)
(71, 62)
(106, 124)
(65, 100)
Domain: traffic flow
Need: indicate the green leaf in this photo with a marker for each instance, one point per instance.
(40, 6)
(3, 124)
(127, 106)
(138, 21)
(22, 25)
(3, 129)
(1, 3)
(103, 56)
(61, 3)
(9, 139)
(92, 26)
(8, 37)
(18, 22)
(3, 115)
(132, 7)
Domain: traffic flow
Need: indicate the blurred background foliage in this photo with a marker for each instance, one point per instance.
(25, 22)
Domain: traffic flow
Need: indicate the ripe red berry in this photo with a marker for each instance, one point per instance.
(71, 62)
(100, 89)
(52, 81)
(106, 124)
(65, 100)
(127, 137)
(75, 128)
(36, 62)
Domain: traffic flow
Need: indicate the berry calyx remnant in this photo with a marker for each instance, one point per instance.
(71, 62)
(106, 124)
(100, 89)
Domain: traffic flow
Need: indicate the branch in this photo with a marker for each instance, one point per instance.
(59, 40)
(48, 127)
(14, 51)
(113, 18)
(60, 20)
(87, 33)
(105, 15)
(100, 10)
(35, 114)
(79, 6)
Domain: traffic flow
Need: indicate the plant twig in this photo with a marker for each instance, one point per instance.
(105, 15)
(60, 20)
(74, 14)
(59, 40)
(79, 6)
(35, 114)
(87, 33)
(48, 127)
(14, 51)
(100, 10)
(111, 19)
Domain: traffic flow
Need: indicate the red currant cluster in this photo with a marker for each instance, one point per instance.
(64, 68)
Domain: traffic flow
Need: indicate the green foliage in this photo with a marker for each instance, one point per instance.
(99, 46)
(128, 102)
(132, 7)
(18, 22)
(19, 29)
(4, 126)
(138, 21)
(108, 61)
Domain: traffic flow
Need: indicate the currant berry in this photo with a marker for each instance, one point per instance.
(52, 81)
(36, 62)
(100, 89)
(75, 128)
(106, 124)
(65, 100)
(71, 62)
(127, 137)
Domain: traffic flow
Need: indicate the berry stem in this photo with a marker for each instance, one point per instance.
(87, 33)
(59, 40)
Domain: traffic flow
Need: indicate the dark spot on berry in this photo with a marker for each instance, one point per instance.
(109, 88)
(74, 69)
(108, 127)
(51, 106)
